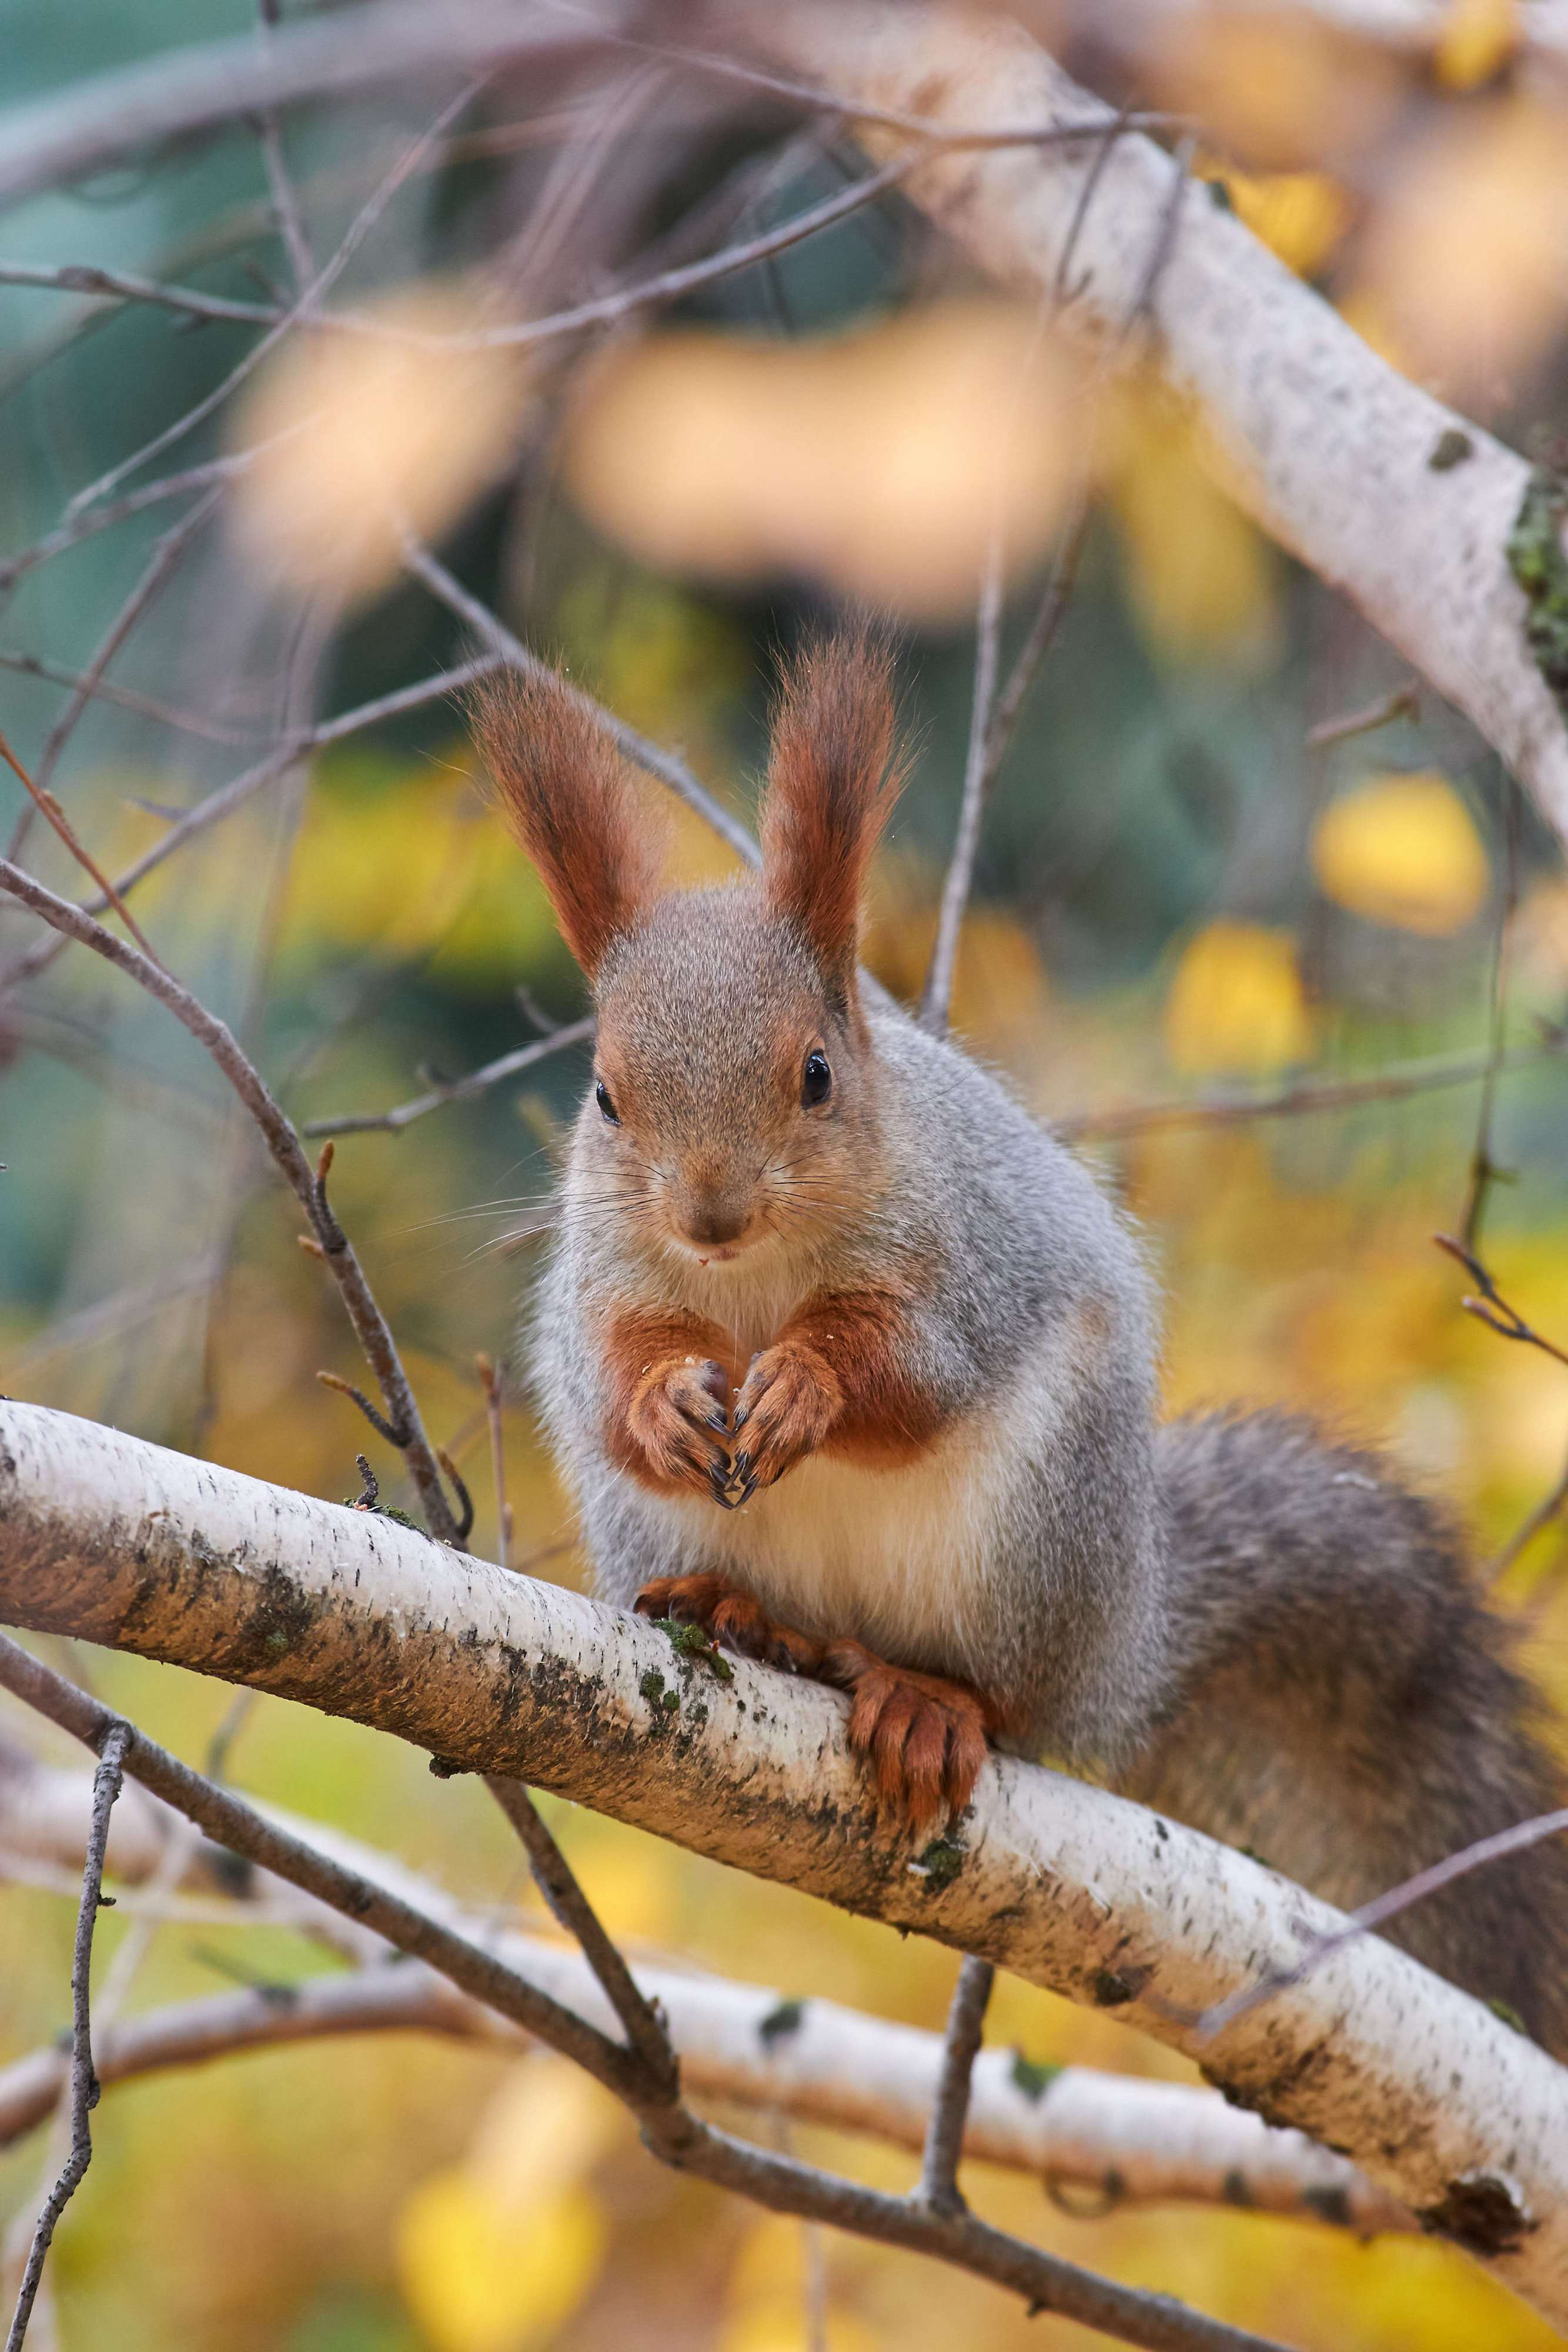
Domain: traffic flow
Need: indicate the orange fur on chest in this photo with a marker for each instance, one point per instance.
(885, 1417)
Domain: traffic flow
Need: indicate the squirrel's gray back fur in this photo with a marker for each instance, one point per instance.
(1232, 1619)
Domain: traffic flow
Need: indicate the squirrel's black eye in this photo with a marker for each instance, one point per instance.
(602, 1096)
(816, 1080)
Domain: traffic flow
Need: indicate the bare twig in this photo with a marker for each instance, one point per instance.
(645, 2030)
(125, 286)
(159, 567)
(937, 995)
(666, 765)
(1372, 1916)
(1303, 1095)
(491, 1381)
(1405, 702)
(190, 722)
(279, 186)
(669, 2129)
(226, 798)
(1484, 1170)
(67, 535)
(1550, 1507)
(1492, 1308)
(475, 1082)
(371, 1326)
(358, 228)
(84, 2082)
(44, 801)
(945, 2136)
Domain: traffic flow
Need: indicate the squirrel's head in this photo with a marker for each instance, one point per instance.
(734, 1092)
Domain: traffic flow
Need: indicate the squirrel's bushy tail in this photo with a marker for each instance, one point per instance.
(1347, 1705)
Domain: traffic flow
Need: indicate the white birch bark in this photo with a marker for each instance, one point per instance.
(1129, 2140)
(1331, 449)
(116, 1542)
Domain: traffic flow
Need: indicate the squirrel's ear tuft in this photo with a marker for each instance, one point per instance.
(568, 797)
(831, 783)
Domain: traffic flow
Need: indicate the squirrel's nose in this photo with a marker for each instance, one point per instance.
(713, 1221)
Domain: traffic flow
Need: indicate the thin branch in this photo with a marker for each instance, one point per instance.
(226, 798)
(358, 228)
(189, 722)
(67, 535)
(1548, 1509)
(666, 765)
(1405, 702)
(1303, 1095)
(125, 286)
(55, 816)
(961, 2045)
(279, 185)
(1369, 1916)
(165, 559)
(491, 1382)
(1492, 1308)
(937, 995)
(645, 2030)
(231, 1823)
(672, 2133)
(371, 1328)
(84, 2082)
(1483, 1168)
(475, 1082)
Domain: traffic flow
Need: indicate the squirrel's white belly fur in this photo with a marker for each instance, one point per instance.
(897, 1557)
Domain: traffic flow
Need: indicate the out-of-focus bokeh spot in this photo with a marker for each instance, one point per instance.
(1298, 215)
(1478, 38)
(358, 430)
(871, 462)
(1403, 850)
(1281, 86)
(1201, 578)
(770, 2290)
(494, 2253)
(1236, 1003)
(1464, 259)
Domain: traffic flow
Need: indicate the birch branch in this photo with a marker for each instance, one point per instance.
(1330, 448)
(1460, 2117)
(1118, 2137)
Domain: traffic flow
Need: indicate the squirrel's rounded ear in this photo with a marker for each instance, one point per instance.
(567, 795)
(831, 783)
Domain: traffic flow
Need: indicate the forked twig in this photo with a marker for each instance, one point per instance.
(106, 1788)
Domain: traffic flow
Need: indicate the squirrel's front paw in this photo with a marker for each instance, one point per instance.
(677, 1422)
(787, 1407)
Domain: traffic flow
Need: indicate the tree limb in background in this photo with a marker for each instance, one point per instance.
(124, 1543)
(670, 2130)
(745, 2044)
(1331, 449)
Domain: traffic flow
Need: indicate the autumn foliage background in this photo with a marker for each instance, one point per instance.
(1176, 893)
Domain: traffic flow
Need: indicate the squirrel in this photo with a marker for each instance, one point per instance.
(850, 1361)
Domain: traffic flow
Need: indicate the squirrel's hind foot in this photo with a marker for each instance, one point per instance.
(732, 1617)
(925, 1738)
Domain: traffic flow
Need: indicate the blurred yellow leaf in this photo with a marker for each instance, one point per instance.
(1300, 215)
(494, 2253)
(1477, 41)
(1463, 263)
(1403, 850)
(1201, 576)
(768, 2295)
(1277, 86)
(363, 428)
(1236, 1003)
(873, 461)
(479, 2277)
